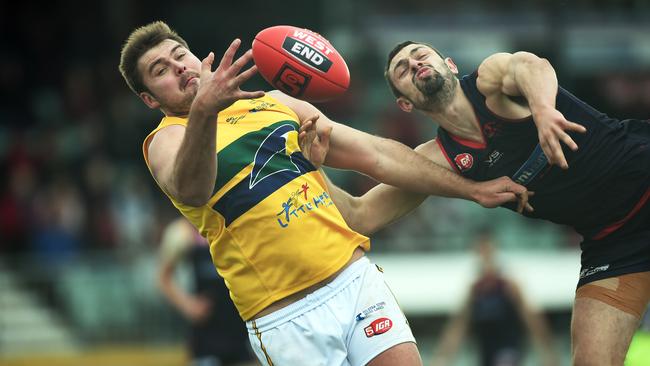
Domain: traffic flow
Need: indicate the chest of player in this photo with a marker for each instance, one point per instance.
(507, 145)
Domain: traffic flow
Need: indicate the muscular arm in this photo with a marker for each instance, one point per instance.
(380, 206)
(524, 74)
(183, 160)
(391, 162)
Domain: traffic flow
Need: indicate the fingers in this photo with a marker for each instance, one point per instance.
(206, 65)
(241, 61)
(553, 151)
(228, 56)
(244, 76)
(251, 95)
(522, 200)
(574, 127)
(568, 141)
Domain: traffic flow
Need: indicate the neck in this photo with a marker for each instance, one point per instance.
(458, 117)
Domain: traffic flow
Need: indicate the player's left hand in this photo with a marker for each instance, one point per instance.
(493, 193)
(552, 129)
(313, 143)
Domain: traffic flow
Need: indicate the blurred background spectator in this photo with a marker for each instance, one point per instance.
(80, 216)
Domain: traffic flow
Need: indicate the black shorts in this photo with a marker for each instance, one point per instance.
(626, 250)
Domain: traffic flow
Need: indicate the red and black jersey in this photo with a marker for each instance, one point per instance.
(608, 179)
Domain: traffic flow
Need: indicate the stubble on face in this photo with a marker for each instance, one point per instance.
(437, 90)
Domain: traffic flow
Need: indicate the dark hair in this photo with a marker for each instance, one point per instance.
(392, 55)
(139, 42)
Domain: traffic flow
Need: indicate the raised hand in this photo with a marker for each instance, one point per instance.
(219, 89)
(314, 144)
(498, 191)
(552, 128)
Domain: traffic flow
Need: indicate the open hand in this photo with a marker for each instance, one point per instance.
(552, 128)
(219, 89)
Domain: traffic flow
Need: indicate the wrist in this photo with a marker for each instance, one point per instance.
(200, 110)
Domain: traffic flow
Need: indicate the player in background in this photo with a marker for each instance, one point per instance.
(217, 336)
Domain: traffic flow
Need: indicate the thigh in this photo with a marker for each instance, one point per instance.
(606, 314)
(314, 338)
(380, 333)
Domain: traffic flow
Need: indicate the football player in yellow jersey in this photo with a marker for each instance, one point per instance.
(316, 301)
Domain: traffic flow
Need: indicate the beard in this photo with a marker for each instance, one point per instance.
(181, 108)
(437, 91)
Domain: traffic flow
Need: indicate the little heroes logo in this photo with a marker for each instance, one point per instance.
(294, 209)
(377, 327)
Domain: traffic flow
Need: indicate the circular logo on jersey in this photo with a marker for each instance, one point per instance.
(464, 161)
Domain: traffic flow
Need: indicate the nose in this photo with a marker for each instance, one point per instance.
(415, 64)
(179, 67)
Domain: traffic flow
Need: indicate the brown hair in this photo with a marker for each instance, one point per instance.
(139, 42)
(392, 55)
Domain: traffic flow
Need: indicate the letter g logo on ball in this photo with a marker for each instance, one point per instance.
(291, 80)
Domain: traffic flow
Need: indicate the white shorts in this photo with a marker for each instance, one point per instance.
(349, 321)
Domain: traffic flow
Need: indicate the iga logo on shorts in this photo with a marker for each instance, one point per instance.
(379, 326)
(464, 161)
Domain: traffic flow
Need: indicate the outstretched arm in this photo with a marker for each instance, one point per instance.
(381, 205)
(525, 74)
(395, 164)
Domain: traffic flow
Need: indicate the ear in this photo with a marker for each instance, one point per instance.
(149, 100)
(452, 66)
(404, 104)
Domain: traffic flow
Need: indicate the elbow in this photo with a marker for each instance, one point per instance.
(360, 220)
(531, 59)
(193, 198)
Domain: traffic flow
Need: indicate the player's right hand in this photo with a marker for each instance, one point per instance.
(221, 88)
(552, 129)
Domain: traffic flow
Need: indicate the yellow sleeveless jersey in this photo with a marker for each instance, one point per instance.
(272, 226)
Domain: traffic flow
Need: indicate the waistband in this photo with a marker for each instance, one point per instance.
(312, 300)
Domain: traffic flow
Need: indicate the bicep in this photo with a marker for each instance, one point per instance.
(162, 151)
(496, 76)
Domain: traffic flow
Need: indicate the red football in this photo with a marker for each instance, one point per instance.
(300, 63)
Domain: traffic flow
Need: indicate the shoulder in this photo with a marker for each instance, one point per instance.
(492, 71)
(302, 108)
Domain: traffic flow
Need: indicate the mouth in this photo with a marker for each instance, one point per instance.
(189, 80)
(423, 72)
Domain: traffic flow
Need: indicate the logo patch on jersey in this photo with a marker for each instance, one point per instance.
(369, 310)
(377, 327)
(493, 157)
(464, 161)
(591, 270)
(277, 147)
(298, 205)
(490, 129)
